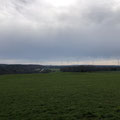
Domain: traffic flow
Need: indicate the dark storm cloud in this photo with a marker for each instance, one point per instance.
(36, 30)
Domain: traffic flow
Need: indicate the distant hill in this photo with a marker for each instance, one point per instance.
(27, 69)
(15, 69)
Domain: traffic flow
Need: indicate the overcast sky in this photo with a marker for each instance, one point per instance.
(54, 30)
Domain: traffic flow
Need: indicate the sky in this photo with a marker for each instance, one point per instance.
(60, 31)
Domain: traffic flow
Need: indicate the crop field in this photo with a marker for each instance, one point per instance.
(60, 96)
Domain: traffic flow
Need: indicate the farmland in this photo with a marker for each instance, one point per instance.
(60, 96)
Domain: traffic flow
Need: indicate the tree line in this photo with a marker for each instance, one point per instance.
(89, 68)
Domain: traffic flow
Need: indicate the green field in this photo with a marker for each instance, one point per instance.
(60, 96)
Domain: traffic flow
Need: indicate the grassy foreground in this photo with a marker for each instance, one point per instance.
(60, 96)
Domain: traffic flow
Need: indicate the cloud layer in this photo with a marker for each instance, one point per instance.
(40, 30)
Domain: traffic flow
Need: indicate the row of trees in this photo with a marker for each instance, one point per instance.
(88, 68)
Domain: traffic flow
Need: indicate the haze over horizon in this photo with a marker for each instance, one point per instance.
(60, 31)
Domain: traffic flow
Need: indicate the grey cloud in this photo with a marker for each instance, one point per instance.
(38, 31)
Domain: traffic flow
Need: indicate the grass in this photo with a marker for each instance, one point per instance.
(60, 96)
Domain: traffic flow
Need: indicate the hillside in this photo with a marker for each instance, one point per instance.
(14, 69)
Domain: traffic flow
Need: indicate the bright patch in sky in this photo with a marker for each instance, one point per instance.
(61, 3)
(116, 4)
